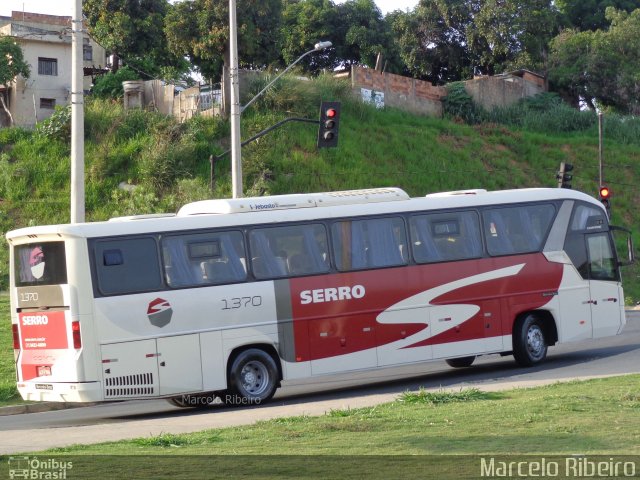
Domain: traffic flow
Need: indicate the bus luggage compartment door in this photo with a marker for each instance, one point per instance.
(130, 369)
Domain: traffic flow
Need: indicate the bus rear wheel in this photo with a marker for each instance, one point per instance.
(461, 362)
(253, 377)
(529, 342)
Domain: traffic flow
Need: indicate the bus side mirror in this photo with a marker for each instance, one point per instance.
(631, 255)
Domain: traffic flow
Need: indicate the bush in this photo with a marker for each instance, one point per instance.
(110, 85)
(459, 104)
(57, 126)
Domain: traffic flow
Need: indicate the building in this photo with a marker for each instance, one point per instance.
(46, 44)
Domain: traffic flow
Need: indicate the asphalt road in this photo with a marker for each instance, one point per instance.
(115, 421)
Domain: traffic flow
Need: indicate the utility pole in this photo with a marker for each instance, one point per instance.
(236, 155)
(600, 148)
(77, 116)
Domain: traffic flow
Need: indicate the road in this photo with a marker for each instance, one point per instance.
(116, 421)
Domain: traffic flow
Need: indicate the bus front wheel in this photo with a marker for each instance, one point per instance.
(529, 342)
(253, 377)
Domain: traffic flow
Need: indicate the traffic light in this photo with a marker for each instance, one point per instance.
(329, 123)
(605, 197)
(564, 176)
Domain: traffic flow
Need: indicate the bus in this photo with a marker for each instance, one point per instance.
(229, 298)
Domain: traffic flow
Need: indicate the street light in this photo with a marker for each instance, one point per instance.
(316, 48)
(236, 109)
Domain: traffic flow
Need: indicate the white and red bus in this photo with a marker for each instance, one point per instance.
(234, 296)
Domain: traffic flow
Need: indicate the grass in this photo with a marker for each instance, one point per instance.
(8, 393)
(595, 417)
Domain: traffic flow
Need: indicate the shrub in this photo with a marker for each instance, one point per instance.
(110, 85)
(58, 125)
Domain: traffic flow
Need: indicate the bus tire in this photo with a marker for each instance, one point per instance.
(461, 362)
(529, 342)
(253, 378)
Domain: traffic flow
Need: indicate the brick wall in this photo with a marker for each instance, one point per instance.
(406, 93)
(28, 17)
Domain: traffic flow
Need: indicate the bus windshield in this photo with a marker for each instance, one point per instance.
(42, 263)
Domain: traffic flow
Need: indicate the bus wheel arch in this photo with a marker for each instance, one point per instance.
(254, 373)
(533, 333)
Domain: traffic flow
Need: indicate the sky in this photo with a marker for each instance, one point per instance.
(65, 7)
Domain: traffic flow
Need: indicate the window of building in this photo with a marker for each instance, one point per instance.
(48, 103)
(87, 50)
(47, 66)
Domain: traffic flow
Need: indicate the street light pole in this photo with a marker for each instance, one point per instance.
(77, 117)
(236, 156)
(236, 109)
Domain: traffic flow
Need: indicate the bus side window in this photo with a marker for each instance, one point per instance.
(521, 229)
(374, 243)
(127, 265)
(447, 236)
(204, 259)
(291, 250)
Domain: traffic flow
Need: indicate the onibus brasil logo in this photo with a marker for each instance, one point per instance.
(38, 468)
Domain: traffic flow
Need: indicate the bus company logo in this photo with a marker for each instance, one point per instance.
(159, 312)
(331, 294)
(29, 320)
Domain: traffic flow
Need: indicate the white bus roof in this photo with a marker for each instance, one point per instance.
(298, 207)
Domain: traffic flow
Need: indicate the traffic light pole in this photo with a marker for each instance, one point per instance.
(269, 129)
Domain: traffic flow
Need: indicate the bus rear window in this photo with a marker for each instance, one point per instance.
(42, 263)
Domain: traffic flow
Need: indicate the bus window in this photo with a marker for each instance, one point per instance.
(379, 242)
(127, 265)
(40, 264)
(602, 262)
(204, 259)
(446, 236)
(292, 250)
(520, 229)
(588, 218)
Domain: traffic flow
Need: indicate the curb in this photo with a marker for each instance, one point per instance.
(40, 407)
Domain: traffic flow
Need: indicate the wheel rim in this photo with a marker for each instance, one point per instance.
(535, 342)
(254, 378)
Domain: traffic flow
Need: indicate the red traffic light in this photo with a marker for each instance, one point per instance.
(605, 192)
(331, 113)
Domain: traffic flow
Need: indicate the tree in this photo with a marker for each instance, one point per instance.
(600, 66)
(362, 33)
(12, 64)
(199, 29)
(304, 23)
(132, 30)
(590, 14)
(508, 34)
(431, 40)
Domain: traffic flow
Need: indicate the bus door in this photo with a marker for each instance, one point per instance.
(607, 301)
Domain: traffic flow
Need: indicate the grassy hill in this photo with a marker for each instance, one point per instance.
(168, 163)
